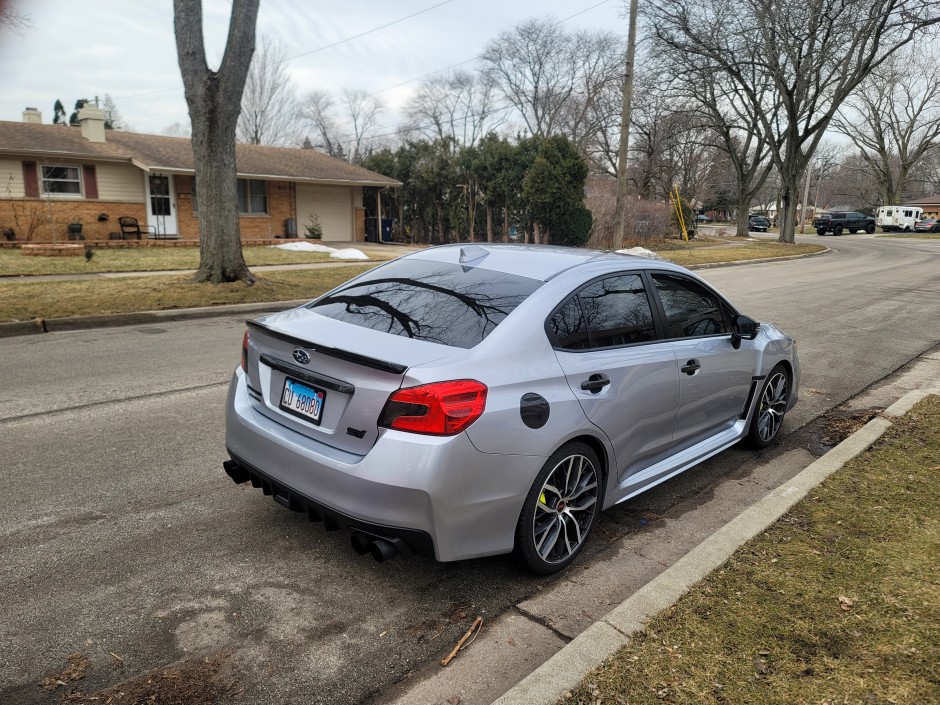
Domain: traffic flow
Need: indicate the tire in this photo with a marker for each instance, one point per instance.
(542, 523)
(837, 230)
(870, 229)
(820, 231)
(771, 406)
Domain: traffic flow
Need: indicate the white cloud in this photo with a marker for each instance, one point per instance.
(127, 49)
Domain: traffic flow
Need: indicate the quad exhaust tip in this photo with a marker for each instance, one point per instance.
(381, 549)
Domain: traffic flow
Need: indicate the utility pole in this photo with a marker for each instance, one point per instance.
(809, 174)
(625, 130)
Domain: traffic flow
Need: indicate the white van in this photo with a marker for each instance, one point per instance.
(890, 218)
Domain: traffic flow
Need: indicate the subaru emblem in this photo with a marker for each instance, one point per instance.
(301, 356)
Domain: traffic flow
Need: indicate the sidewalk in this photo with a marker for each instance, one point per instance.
(533, 654)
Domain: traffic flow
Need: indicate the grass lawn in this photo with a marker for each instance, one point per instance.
(53, 299)
(24, 300)
(835, 604)
(149, 259)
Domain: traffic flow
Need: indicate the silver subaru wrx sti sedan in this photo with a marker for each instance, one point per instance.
(472, 400)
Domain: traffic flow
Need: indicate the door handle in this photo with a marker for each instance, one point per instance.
(595, 383)
(691, 367)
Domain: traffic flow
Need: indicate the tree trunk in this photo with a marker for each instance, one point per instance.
(505, 223)
(744, 205)
(214, 100)
(489, 222)
(786, 215)
(536, 234)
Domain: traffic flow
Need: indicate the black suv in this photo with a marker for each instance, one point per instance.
(839, 221)
(758, 223)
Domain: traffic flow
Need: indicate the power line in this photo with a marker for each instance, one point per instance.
(312, 51)
(374, 29)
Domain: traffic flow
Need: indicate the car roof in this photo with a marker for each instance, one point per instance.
(541, 262)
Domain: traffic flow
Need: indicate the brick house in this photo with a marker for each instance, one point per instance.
(931, 206)
(53, 176)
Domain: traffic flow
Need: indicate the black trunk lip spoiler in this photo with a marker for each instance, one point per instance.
(373, 362)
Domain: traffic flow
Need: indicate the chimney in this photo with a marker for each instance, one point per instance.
(32, 115)
(91, 118)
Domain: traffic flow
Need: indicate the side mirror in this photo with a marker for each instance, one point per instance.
(743, 328)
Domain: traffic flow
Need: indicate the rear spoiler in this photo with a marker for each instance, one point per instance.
(363, 360)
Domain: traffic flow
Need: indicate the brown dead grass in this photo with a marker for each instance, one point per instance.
(835, 604)
(25, 300)
(202, 681)
(54, 299)
(77, 667)
(153, 259)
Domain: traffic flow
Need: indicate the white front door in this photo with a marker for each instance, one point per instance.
(161, 199)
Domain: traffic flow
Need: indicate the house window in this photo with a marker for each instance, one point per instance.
(61, 180)
(252, 197)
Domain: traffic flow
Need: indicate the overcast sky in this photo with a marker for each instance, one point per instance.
(126, 47)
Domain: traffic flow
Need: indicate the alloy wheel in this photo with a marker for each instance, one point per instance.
(565, 508)
(773, 404)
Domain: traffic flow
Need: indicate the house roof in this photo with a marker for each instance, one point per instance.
(175, 154)
(929, 201)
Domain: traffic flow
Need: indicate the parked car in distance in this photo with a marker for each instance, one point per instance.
(758, 223)
(927, 225)
(702, 218)
(838, 222)
(466, 401)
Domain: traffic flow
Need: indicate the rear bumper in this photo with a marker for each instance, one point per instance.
(408, 542)
(438, 495)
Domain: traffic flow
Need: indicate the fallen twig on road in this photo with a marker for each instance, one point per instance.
(474, 629)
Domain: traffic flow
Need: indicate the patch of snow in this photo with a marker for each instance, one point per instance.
(639, 252)
(304, 247)
(349, 253)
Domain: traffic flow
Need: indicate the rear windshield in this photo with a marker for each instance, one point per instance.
(433, 301)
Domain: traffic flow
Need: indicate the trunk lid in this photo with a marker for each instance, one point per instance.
(354, 368)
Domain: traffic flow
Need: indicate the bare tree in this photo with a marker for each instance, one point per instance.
(270, 111)
(458, 105)
(533, 68)
(318, 108)
(14, 20)
(214, 99)
(363, 111)
(352, 135)
(736, 130)
(821, 51)
(177, 129)
(113, 119)
(894, 117)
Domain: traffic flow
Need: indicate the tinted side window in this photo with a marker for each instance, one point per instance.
(618, 311)
(691, 310)
(568, 327)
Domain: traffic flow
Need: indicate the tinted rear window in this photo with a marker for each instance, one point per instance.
(432, 301)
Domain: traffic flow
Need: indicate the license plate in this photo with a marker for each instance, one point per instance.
(302, 400)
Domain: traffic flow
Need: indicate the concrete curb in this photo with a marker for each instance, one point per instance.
(591, 648)
(762, 260)
(113, 320)
(51, 325)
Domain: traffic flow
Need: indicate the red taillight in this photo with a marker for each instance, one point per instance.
(439, 409)
(245, 352)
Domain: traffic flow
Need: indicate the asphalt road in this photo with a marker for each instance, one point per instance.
(119, 532)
